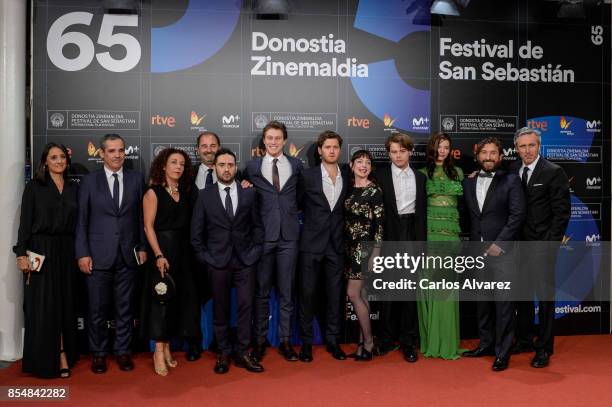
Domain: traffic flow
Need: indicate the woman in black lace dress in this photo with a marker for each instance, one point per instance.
(364, 215)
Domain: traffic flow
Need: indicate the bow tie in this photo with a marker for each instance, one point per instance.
(485, 174)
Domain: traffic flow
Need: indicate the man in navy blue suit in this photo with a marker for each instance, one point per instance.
(275, 177)
(322, 190)
(109, 232)
(496, 204)
(227, 236)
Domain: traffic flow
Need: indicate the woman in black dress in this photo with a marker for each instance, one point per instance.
(46, 227)
(363, 220)
(166, 221)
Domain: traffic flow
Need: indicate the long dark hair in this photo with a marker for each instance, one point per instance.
(359, 154)
(42, 173)
(448, 165)
(157, 176)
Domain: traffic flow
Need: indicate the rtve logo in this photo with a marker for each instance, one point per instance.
(538, 125)
(356, 122)
(159, 120)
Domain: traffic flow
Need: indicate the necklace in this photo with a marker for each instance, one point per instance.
(172, 189)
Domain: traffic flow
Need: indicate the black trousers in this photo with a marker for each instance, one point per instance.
(537, 277)
(277, 263)
(221, 279)
(400, 316)
(111, 288)
(313, 267)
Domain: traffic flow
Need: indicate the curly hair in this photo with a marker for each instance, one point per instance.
(157, 175)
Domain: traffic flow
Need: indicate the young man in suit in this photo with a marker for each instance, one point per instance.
(496, 205)
(275, 177)
(405, 201)
(548, 212)
(227, 236)
(109, 230)
(322, 190)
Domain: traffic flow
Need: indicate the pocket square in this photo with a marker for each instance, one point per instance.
(537, 185)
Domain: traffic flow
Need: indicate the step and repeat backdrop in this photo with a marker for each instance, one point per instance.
(365, 69)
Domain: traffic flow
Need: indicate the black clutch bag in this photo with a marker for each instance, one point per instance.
(163, 289)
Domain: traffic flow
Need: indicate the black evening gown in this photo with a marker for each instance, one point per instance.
(47, 226)
(174, 317)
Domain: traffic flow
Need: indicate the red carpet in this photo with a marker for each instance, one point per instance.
(580, 374)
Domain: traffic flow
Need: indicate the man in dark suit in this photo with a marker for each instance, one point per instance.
(548, 212)
(405, 201)
(496, 205)
(109, 231)
(275, 177)
(227, 236)
(322, 190)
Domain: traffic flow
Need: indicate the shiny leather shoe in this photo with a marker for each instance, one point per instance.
(478, 352)
(541, 359)
(98, 364)
(336, 351)
(306, 353)
(222, 365)
(247, 362)
(364, 356)
(125, 362)
(287, 351)
(500, 364)
(410, 354)
(259, 350)
(194, 352)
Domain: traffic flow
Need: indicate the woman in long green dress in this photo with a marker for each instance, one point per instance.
(439, 316)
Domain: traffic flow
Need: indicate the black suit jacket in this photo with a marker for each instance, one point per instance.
(384, 177)
(215, 236)
(548, 202)
(503, 210)
(322, 225)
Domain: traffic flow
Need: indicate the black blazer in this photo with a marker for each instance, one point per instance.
(215, 237)
(384, 177)
(503, 210)
(548, 202)
(322, 225)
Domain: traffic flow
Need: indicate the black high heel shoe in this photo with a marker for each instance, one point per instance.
(64, 373)
(366, 355)
(357, 352)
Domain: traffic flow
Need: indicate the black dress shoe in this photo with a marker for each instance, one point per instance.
(306, 353)
(259, 350)
(247, 362)
(357, 352)
(287, 351)
(541, 359)
(364, 356)
(521, 347)
(336, 351)
(194, 352)
(500, 364)
(410, 353)
(98, 364)
(222, 365)
(125, 362)
(478, 352)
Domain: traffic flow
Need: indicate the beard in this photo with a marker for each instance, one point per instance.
(496, 165)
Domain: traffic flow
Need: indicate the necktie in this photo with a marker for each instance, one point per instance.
(116, 190)
(275, 176)
(524, 178)
(228, 203)
(209, 178)
(485, 175)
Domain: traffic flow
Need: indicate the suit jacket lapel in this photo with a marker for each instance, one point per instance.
(536, 171)
(319, 184)
(345, 182)
(392, 188)
(103, 185)
(260, 173)
(471, 194)
(126, 187)
(490, 191)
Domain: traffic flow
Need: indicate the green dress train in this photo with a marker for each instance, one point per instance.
(439, 319)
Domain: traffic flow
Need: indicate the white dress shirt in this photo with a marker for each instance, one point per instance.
(332, 191)
(482, 187)
(233, 194)
(202, 174)
(404, 183)
(284, 169)
(111, 181)
(531, 168)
